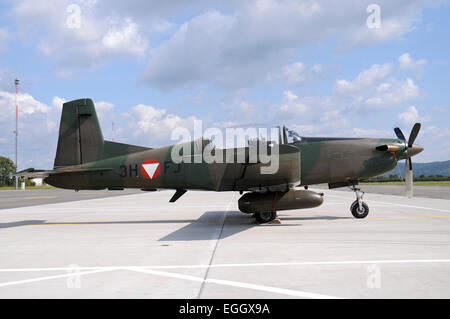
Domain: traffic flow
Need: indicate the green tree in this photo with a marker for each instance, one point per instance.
(6, 169)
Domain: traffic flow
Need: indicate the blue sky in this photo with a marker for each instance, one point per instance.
(152, 66)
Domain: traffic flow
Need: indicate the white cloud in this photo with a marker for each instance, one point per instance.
(38, 124)
(156, 125)
(96, 41)
(307, 130)
(292, 106)
(434, 132)
(393, 93)
(406, 62)
(241, 49)
(411, 116)
(58, 102)
(103, 106)
(27, 105)
(298, 74)
(235, 45)
(124, 38)
(364, 79)
(377, 88)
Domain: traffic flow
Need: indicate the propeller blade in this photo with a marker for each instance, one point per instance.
(399, 134)
(408, 178)
(414, 132)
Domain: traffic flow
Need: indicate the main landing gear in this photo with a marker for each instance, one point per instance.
(358, 208)
(265, 217)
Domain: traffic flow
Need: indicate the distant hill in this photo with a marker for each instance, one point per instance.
(427, 169)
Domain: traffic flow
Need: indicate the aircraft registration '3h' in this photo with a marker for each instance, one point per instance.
(84, 160)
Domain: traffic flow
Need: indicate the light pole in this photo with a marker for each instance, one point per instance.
(16, 132)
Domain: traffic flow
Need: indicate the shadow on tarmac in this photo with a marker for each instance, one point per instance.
(210, 226)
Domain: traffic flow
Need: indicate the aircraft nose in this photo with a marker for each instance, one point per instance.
(414, 150)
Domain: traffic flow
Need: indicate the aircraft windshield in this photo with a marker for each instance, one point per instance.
(246, 135)
(292, 136)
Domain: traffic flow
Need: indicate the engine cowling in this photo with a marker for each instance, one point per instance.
(251, 203)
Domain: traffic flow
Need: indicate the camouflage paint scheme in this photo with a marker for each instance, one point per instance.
(85, 161)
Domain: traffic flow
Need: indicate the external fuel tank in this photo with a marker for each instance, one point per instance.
(274, 201)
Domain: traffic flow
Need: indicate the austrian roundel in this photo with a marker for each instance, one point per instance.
(150, 169)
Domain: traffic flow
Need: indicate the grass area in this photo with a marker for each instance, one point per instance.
(8, 188)
(422, 183)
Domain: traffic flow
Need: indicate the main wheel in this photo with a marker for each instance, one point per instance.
(357, 212)
(265, 217)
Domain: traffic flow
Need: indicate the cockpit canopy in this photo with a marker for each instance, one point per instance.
(247, 135)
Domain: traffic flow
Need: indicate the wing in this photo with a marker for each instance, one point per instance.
(248, 176)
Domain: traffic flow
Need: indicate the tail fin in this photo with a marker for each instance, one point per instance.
(80, 137)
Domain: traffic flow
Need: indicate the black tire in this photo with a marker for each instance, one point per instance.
(265, 217)
(356, 212)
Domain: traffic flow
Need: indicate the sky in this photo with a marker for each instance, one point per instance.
(324, 68)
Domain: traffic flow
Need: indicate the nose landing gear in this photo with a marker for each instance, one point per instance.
(358, 208)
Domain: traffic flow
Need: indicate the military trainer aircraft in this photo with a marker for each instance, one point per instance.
(85, 161)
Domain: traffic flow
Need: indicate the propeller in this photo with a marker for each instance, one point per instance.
(411, 150)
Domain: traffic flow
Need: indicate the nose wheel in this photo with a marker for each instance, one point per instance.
(358, 208)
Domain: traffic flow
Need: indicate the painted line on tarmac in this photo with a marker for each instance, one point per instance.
(289, 292)
(39, 197)
(412, 206)
(407, 217)
(401, 205)
(19, 282)
(310, 263)
(304, 263)
(215, 243)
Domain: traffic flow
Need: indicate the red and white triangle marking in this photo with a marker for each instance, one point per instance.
(150, 169)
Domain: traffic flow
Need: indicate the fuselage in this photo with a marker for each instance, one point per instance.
(319, 160)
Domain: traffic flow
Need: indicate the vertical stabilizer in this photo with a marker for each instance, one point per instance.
(80, 137)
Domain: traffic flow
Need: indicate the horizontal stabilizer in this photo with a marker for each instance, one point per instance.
(30, 173)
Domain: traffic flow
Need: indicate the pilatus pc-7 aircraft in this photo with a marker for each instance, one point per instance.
(84, 160)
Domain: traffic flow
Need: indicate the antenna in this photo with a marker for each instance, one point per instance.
(16, 132)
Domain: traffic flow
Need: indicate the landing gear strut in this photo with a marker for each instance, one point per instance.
(265, 217)
(358, 208)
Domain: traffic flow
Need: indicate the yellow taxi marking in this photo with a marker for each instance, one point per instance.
(406, 217)
(86, 223)
(92, 223)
